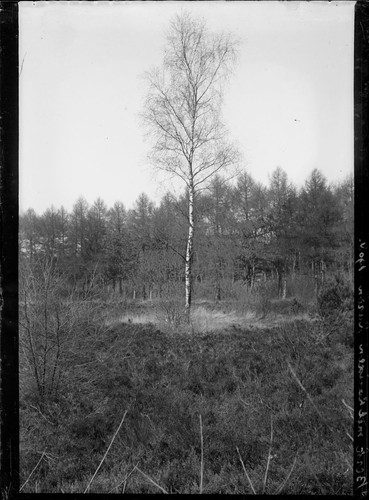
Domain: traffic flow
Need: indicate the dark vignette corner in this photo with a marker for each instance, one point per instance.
(9, 471)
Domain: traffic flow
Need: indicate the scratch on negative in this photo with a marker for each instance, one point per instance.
(363, 30)
(22, 63)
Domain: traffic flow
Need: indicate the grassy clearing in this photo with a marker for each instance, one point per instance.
(235, 403)
(208, 317)
(202, 319)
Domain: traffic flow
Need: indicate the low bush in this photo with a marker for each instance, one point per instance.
(336, 296)
(303, 289)
(237, 379)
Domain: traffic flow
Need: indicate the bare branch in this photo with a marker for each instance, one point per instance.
(151, 480)
(33, 470)
(105, 454)
(182, 106)
(161, 239)
(183, 112)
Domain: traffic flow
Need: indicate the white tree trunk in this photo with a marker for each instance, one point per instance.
(284, 288)
(189, 252)
(182, 112)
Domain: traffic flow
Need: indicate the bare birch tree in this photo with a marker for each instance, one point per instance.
(182, 113)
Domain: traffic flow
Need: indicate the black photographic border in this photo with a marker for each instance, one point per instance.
(9, 155)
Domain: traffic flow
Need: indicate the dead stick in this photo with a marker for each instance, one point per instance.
(202, 457)
(33, 470)
(107, 451)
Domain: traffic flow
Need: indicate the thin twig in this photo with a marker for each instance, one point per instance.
(351, 410)
(269, 455)
(287, 478)
(107, 451)
(313, 404)
(151, 480)
(33, 470)
(308, 396)
(42, 415)
(350, 437)
(322, 488)
(202, 457)
(162, 240)
(244, 469)
(125, 479)
(348, 464)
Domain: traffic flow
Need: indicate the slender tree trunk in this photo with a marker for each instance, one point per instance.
(217, 280)
(252, 277)
(217, 288)
(322, 272)
(31, 248)
(293, 266)
(189, 252)
(284, 288)
(280, 287)
(316, 287)
(298, 263)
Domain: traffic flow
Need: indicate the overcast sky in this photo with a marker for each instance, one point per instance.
(289, 102)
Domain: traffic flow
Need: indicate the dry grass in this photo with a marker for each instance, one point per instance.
(205, 320)
(202, 320)
(278, 319)
(135, 318)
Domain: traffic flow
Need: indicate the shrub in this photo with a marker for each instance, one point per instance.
(170, 307)
(335, 297)
(302, 287)
(263, 296)
(53, 322)
(235, 378)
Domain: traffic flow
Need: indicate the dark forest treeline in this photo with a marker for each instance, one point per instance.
(244, 232)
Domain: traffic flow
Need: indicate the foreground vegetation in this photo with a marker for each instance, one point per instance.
(236, 402)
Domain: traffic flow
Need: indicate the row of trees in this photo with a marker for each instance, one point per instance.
(217, 231)
(245, 232)
(245, 228)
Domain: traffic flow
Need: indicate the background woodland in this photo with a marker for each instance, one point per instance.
(246, 234)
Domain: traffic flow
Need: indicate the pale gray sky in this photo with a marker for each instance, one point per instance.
(289, 102)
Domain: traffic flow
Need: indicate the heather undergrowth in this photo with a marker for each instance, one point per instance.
(239, 409)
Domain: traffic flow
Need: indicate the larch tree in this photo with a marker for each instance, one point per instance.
(281, 218)
(182, 113)
(218, 234)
